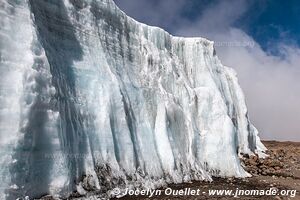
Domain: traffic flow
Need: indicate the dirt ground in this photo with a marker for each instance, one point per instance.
(281, 171)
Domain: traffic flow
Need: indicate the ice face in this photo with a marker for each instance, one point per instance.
(93, 100)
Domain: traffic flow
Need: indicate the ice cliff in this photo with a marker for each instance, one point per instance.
(92, 100)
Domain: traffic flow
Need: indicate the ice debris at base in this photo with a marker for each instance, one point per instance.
(92, 100)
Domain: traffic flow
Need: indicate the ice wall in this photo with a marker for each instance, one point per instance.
(91, 100)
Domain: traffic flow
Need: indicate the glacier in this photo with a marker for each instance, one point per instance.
(92, 100)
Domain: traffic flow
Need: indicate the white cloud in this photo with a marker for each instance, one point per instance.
(271, 85)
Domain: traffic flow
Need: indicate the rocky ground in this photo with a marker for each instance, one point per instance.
(280, 171)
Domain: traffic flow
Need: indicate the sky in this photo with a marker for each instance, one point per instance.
(260, 39)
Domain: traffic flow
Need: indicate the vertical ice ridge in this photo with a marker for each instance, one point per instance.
(15, 86)
(62, 48)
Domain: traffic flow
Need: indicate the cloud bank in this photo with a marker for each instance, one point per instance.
(271, 83)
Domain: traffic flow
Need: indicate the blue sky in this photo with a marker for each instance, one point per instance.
(260, 39)
(267, 21)
(270, 22)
